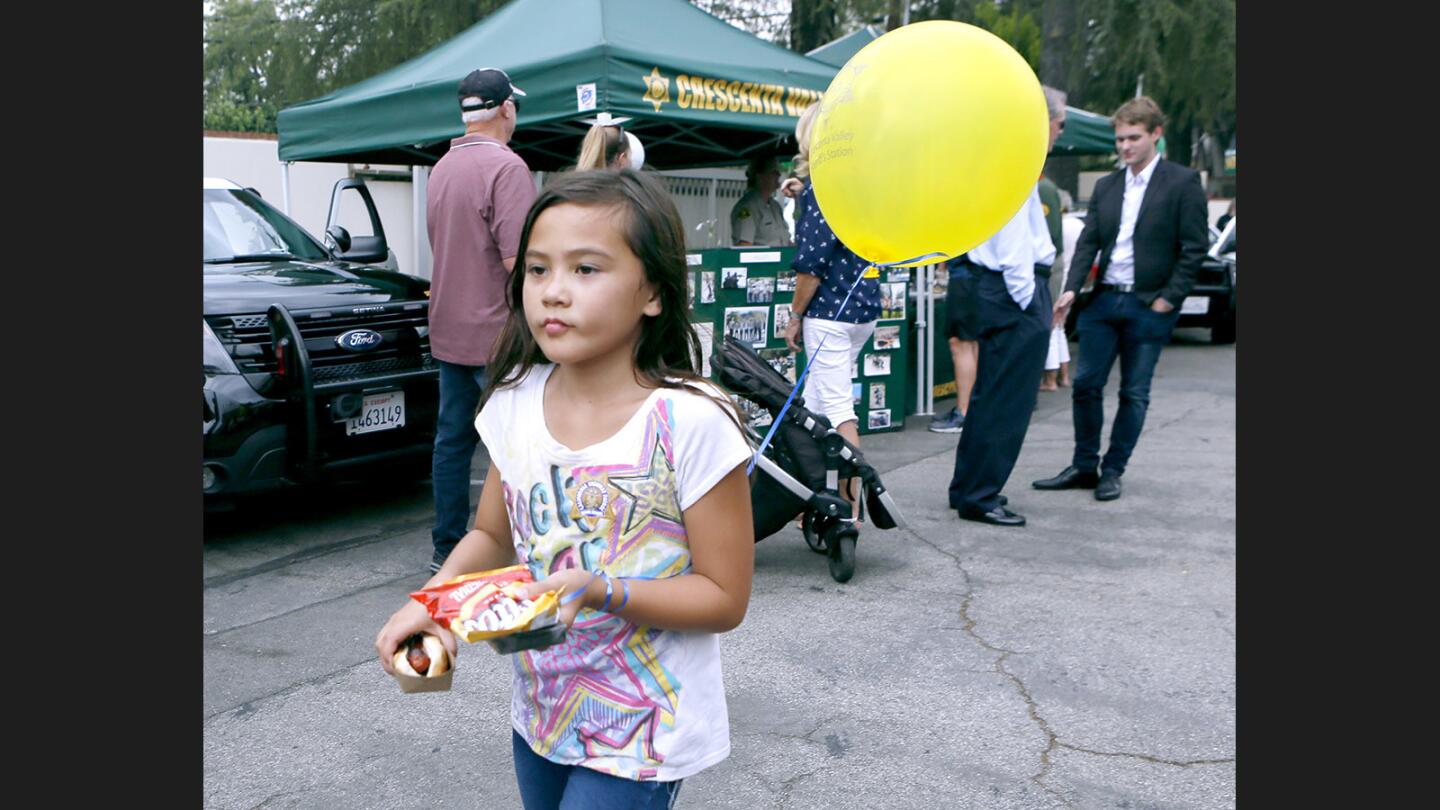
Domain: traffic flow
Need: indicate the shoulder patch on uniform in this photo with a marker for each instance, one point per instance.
(744, 213)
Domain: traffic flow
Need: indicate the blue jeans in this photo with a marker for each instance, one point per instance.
(1116, 324)
(455, 442)
(546, 785)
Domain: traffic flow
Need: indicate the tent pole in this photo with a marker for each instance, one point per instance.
(929, 394)
(922, 356)
(419, 179)
(711, 239)
(285, 185)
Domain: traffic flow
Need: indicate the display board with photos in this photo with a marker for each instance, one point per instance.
(746, 292)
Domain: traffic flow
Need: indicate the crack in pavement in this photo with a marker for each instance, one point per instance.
(969, 628)
(304, 555)
(788, 785)
(387, 583)
(1179, 763)
(1032, 708)
(250, 706)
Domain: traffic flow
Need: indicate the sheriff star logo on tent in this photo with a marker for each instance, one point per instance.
(657, 88)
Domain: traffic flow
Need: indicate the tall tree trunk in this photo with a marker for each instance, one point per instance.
(812, 24)
(1058, 55)
(892, 15)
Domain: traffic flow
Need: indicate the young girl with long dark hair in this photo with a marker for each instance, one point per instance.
(619, 473)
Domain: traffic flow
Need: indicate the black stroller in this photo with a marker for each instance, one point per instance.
(800, 471)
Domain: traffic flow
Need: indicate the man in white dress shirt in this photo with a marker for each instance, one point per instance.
(1146, 225)
(1014, 314)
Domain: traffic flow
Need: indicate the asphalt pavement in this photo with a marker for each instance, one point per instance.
(1084, 661)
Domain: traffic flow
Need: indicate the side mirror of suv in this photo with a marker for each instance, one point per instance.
(360, 249)
(339, 236)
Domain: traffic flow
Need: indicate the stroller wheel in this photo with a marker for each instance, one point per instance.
(842, 554)
(812, 537)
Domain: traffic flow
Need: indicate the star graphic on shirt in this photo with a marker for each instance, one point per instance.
(650, 491)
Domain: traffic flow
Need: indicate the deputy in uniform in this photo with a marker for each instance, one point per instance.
(757, 218)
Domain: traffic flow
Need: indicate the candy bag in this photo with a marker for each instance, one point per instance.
(483, 605)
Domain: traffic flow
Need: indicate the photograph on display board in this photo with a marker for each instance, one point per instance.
(755, 416)
(899, 274)
(705, 332)
(707, 286)
(887, 338)
(782, 360)
(892, 301)
(940, 284)
(877, 365)
(748, 325)
(856, 392)
(760, 291)
(785, 281)
(733, 278)
(877, 395)
(782, 319)
(879, 419)
(690, 288)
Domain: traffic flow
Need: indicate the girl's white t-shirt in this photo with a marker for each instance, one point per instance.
(632, 701)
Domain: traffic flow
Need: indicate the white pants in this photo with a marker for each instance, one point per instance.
(1059, 349)
(827, 386)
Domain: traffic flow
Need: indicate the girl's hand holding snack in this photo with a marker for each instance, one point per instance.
(405, 622)
(571, 580)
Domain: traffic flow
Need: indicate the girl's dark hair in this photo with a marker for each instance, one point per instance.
(667, 353)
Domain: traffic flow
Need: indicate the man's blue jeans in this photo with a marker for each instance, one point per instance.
(546, 785)
(1115, 324)
(455, 442)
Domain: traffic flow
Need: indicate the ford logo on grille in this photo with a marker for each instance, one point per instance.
(359, 340)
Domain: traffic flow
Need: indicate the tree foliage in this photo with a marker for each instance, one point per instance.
(263, 55)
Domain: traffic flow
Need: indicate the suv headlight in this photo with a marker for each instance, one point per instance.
(216, 359)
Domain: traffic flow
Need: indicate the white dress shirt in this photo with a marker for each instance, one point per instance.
(1016, 248)
(1121, 269)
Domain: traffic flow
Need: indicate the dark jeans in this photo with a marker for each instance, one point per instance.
(546, 785)
(455, 442)
(1013, 344)
(1116, 324)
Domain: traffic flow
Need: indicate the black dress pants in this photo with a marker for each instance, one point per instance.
(1013, 344)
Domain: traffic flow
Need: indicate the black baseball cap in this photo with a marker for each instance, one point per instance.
(486, 88)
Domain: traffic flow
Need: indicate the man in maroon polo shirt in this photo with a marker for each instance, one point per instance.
(475, 206)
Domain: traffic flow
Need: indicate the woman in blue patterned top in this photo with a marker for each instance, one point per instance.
(826, 316)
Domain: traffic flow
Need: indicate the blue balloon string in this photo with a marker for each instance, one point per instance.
(816, 353)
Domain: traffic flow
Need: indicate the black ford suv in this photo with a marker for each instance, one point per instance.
(315, 363)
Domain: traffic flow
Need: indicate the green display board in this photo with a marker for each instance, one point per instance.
(746, 292)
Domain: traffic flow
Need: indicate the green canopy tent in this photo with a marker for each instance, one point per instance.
(702, 92)
(1085, 132)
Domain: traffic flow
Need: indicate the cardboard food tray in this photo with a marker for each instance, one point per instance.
(410, 684)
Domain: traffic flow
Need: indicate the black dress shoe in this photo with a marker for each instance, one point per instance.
(1108, 489)
(1069, 478)
(999, 516)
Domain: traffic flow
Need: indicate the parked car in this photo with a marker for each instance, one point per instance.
(316, 361)
(1211, 303)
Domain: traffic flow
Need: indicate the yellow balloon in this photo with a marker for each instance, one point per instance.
(927, 142)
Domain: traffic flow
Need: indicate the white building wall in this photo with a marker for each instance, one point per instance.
(254, 162)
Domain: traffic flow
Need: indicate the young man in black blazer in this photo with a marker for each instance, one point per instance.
(1146, 224)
